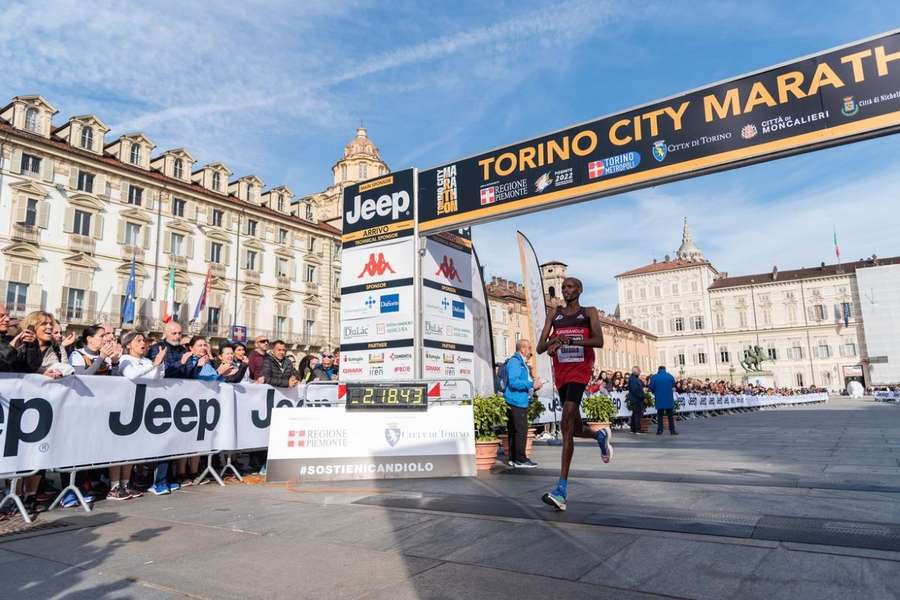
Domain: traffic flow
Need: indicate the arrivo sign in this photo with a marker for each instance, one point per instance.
(831, 98)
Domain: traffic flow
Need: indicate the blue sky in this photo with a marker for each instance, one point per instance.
(277, 88)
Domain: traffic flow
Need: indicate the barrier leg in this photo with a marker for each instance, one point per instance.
(209, 471)
(71, 488)
(14, 497)
(228, 466)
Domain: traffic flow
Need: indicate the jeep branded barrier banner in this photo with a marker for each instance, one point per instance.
(702, 402)
(831, 98)
(378, 274)
(447, 306)
(886, 396)
(82, 420)
(332, 444)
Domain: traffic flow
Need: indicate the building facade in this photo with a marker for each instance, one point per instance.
(78, 207)
(807, 322)
(509, 316)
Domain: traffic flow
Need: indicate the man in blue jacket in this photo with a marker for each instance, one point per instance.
(663, 387)
(517, 393)
(177, 355)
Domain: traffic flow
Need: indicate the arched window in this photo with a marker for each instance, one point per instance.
(309, 212)
(135, 154)
(87, 138)
(552, 292)
(178, 169)
(216, 182)
(31, 118)
(363, 171)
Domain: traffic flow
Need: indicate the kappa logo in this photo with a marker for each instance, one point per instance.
(660, 150)
(448, 269)
(376, 266)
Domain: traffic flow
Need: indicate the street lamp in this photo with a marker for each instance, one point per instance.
(731, 373)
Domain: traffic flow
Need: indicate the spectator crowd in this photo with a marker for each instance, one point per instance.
(615, 381)
(36, 344)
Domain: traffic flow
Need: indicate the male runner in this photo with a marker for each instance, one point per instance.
(575, 333)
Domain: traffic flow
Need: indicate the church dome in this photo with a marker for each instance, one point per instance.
(361, 145)
(688, 250)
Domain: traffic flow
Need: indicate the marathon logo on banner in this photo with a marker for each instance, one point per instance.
(833, 98)
(379, 210)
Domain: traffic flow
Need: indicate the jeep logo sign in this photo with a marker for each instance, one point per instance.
(38, 421)
(375, 208)
(394, 205)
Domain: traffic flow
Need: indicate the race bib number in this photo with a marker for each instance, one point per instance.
(571, 354)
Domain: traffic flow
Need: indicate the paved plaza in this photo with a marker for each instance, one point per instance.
(793, 503)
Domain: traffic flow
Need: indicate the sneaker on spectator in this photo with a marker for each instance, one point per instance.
(187, 482)
(527, 464)
(70, 500)
(174, 487)
(118, 493)
(160, 489)
(134, 493)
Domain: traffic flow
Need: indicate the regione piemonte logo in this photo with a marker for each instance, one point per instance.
(375, 266)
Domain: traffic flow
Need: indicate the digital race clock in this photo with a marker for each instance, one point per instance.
(387, 395)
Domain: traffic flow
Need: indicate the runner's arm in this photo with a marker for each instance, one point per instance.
(543, 343)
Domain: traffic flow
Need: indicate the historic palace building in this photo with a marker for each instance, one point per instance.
(805, 324)
(78, 205)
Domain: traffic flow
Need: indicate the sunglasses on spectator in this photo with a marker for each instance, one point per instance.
(262, 341)
(328, 356)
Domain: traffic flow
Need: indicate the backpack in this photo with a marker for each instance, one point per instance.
(504, 374)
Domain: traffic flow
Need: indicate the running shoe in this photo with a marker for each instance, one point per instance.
(70, 500)
(118, 493)
(161, 489)
(555, 499)
(606, 448)
(134, 493)
(174, 487)
(527, 464)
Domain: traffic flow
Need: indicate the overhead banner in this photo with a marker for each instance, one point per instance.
(332, 444)
(447, 306)
(378, 273)
(831, 98)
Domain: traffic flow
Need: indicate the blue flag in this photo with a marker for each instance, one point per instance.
(128, 301)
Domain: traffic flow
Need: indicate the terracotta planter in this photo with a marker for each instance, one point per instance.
(646, 424)
(596, 426)
(529, 441)
(486, 454)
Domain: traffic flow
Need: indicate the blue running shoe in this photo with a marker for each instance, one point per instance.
(555, 499)
(606, 449)
(160, 489)
(70, 500)
(174, 487)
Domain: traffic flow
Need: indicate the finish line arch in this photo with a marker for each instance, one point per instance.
(393, 311)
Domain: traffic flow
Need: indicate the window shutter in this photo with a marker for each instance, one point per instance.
(120, 232)
(19, 210)
(167, 242)
(34, 297)
(63, 299)
(209, 216)
(97, 229)
(208, 251)
(145, 236)
(226, 254)
(99, 184)
(91, 306)
(16, 166)
(259, 262)
(290, 325)
(190, 211)
(47, 170)
(43, 214)
(73, 177)
(189, 242)
(69, 223)
(292, 265)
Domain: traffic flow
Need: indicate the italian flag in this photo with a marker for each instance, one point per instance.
(169, 305)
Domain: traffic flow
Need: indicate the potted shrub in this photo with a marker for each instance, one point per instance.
(649, 401)
(599, 411)
(489, 414)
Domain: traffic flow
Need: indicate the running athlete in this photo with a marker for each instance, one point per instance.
(569, 336)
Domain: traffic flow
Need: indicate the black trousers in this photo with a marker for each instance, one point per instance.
(662, 412)
(517, 426)
(636, 416)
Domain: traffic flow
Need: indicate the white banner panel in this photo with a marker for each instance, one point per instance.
(329, 443)
(447, 266)
(83, 420)
(377, 304)
(534, 293)
(377, 263)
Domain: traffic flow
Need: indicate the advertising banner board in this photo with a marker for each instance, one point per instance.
(378, 291)
(830, 98)
(316, 444)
